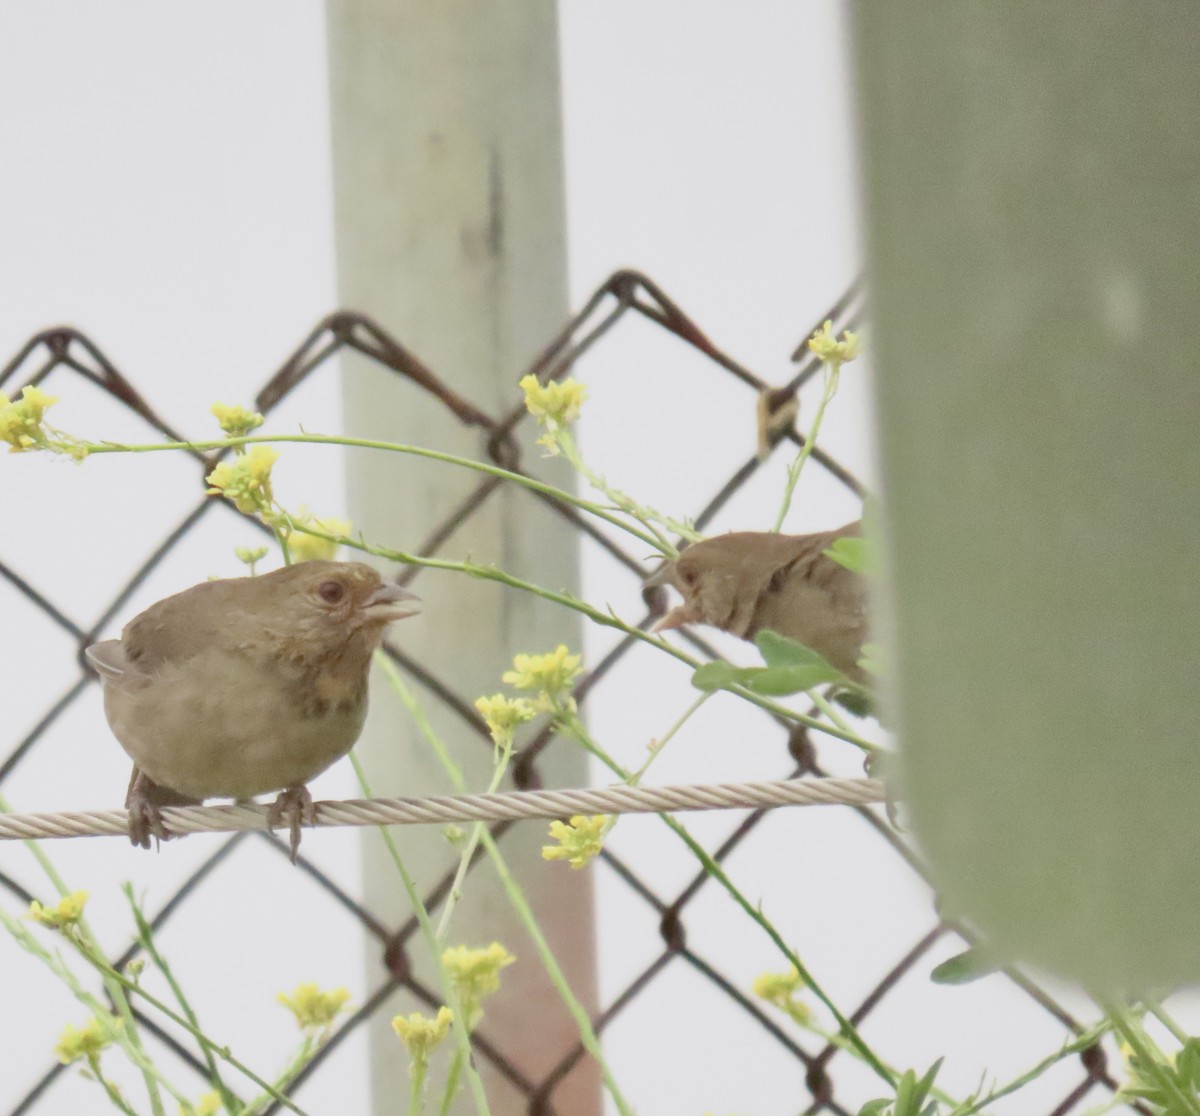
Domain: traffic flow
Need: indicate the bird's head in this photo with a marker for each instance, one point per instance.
(331, 603)
(705, 576)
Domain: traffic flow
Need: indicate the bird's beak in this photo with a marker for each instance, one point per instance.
(679, 616)
(391, 602)
(661, 576)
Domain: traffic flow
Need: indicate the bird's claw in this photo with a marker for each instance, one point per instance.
(143, 801)
(294, 806)
(146, 821)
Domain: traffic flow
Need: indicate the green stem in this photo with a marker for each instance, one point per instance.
(647, 516)
(416, 1094)
(55, 963)
(659, 745)
(1160, 1013)
(461, 1035)
(464, 860)
(605, 619)
(283, 1080)
(487, 573)
(575, 728)
(102, 967)
(392, 447)
(842, 1043)
(280, 538)
(833, 369)
(114, 1094)
(115, 992)
(520, 905)
(146, 937)
(587, 1033)
(451, 1088)
(1082, 1042)
(829, 710)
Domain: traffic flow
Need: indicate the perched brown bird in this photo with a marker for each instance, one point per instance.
(748, 581)
(240, 687)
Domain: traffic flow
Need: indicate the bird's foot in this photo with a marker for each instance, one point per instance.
(294, 806)
(143, 801)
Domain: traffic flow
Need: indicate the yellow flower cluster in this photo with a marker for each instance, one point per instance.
(578, 841)
(67, 913)
(21, 419)
(420, 1034)
(550, 675)
(557, 402)
(237, 422)
(304, 548)
(246, 480)
(77, 1043)
(503, 715)
(828, 348)
(314, 1009)
(475, 974)
(781, 989)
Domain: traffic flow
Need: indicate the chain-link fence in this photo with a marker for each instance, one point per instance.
(60, 353)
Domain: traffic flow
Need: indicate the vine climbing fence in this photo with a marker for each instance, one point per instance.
(1086, 1078)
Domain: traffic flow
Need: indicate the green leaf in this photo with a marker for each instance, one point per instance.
(1187, 1063)
(904, 1094)
(855, 701)
(875, 1107)
(780, 651)
(875, 660)
(854, 553)
(715, 676)
(926, 1082)
(963, 968)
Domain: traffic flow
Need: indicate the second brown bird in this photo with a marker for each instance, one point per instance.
(749, 581)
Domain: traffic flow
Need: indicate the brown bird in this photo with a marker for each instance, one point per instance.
(244, 686)
(748, 581)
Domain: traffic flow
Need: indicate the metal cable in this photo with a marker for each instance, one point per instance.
(512, 806)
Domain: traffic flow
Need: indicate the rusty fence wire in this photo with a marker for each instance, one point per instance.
(64, 352)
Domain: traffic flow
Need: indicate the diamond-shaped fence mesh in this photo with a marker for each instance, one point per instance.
(63, 352)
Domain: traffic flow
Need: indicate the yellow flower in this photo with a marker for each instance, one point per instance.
(421, 1034)
(21, 419)
(87, 1041)
(503, 715)
(824, 345)
(313, 1008)
(67, 913)
(246, 480)
(304, 548)
(237, 422)
(548, 674)
(553, 404)
(476, 975)
(579, 841)
(207, 1105)
(780, 989)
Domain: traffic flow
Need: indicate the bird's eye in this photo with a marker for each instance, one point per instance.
(331, 591)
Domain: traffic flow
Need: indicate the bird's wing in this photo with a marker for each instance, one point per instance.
(171, 631)
(847, 590)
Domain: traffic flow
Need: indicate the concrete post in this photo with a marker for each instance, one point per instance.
(450, 232)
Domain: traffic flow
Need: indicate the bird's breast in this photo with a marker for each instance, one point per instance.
(223, 725)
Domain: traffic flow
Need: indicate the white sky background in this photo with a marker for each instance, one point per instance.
(167, 190)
